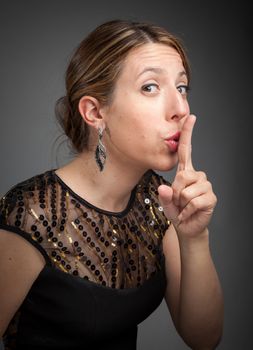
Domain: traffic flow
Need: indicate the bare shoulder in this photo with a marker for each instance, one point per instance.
(20, 265)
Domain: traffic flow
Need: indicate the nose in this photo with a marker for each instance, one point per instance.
(178, 106)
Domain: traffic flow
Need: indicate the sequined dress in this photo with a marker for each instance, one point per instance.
(104, 271)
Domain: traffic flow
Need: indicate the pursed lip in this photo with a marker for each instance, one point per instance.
(173, 142)
(174, 137)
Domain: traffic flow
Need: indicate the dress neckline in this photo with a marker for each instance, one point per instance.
(84, 202)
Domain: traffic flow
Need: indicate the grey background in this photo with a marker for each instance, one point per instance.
(37, 39)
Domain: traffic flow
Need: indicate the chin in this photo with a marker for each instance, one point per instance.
(165, 163)
(164, 167)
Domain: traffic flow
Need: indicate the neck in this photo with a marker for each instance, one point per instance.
(109, 190)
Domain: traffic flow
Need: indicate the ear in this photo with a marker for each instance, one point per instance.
(89, 109)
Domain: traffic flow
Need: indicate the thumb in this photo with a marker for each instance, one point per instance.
(165, 198)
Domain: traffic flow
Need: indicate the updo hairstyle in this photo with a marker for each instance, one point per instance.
(95, 66)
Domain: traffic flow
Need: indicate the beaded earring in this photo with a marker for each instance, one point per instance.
(100, 153)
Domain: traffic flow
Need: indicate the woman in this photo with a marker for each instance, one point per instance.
(89, 250)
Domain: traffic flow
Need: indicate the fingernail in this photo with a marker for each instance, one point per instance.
(193, 115)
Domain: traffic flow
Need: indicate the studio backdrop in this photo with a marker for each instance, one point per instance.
(37, 40)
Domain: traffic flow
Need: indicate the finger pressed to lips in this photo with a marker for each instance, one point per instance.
(184, 157)
(184, 147)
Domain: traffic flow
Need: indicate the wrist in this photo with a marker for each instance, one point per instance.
(196, 243)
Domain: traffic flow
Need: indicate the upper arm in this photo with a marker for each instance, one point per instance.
(20, 264)
(173, 271)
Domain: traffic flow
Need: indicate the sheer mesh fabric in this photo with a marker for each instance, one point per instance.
(117, 250)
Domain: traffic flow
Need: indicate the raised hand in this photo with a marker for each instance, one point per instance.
(189, 202)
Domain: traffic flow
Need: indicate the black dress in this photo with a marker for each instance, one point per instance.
(104, 271)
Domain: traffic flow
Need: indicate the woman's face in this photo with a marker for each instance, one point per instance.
(149, 105)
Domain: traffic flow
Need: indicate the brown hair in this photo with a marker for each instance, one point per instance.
(95, 66)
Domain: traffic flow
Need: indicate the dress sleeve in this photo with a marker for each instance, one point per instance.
(17, 215)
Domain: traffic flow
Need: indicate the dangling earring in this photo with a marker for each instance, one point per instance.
(100, 153)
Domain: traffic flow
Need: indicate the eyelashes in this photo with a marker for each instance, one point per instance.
(153, 88)
(148, 87)
(184, 89)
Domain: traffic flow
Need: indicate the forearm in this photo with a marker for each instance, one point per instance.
(200, 316)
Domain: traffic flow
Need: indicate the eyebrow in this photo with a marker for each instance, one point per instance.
(159, 71)
(151, 69)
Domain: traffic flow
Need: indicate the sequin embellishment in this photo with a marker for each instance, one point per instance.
(120, 250)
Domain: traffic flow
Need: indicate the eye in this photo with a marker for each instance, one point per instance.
(183, 89)
(150, 88)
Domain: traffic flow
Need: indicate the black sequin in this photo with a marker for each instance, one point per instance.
(116, 250)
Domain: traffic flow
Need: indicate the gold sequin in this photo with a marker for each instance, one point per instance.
(116, 250)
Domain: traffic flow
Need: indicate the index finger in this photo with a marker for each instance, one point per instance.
(185, 144)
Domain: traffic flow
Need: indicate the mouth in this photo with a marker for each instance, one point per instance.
(173, 142)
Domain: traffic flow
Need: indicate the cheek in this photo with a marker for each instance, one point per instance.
(134, 122)
(134, 132)
(123, 128)
(143, 128)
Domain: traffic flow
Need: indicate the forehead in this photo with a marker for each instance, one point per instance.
(153, 55)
